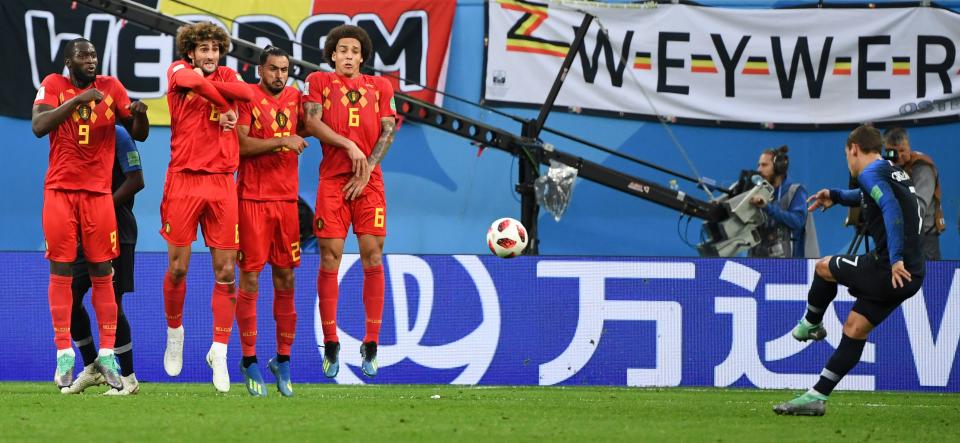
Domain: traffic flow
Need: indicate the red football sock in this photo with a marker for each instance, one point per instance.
(373, 301)
(328, 292)
(285, 314)
(247, 322)
(173, 295)
(105, 305)
(60, 297)
(224, 305)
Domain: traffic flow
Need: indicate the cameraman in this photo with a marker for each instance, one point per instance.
(784, 234)
(924, 175)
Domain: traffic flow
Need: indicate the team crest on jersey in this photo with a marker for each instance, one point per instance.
(319, 224)
(84, 112)
(281, 120)
(354, 96)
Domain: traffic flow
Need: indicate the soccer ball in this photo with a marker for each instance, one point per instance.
(507, 238)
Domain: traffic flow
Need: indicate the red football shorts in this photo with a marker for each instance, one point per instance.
(367, 213)
(65, 213)
(269, 231)
(190, 198)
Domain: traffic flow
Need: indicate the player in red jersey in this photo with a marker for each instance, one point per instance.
(269, 220)
(353, 116)
(80, 113)
(200, 187)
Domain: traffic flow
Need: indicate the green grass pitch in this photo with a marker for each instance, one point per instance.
(179, 412)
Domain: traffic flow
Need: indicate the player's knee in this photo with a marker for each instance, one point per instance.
(100, 269)
(249, 281)
(225, 273)
(823, 268)
(857, 327)
(330, 259)
(283, 278)
(177, 271)
(371, 258)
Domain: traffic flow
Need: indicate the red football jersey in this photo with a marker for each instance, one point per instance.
(272, 175)
(82, 148)
(197, 142)
(352, 107)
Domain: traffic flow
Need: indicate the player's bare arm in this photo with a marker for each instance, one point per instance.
(820, 200)
(137, 125)
(313, 114)
(46, 118)
(130, 186)
(251, 146)
(388, 128)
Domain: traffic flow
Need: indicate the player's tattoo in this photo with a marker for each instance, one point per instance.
(313, 109)
(388, 127)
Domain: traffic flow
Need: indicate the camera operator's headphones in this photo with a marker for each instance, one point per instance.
(780, 162)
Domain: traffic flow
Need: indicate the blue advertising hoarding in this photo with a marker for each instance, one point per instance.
(533, 321)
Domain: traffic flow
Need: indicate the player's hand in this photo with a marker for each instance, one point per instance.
(228, 120)
(899, 275)
(359, 160)
(90, 95)
(820, 200)
(199, 72)
(137, 107)
(355, 186)
(295, 143)
(758, 201)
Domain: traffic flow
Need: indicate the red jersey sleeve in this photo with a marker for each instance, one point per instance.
(388, 107)
(313, 93)
(181, 76)
(244, 113)
(121, 99)
(48, 92)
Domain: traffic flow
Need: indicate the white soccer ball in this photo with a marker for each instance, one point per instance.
(507, 238)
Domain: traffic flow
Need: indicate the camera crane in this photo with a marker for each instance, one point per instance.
(730, 224)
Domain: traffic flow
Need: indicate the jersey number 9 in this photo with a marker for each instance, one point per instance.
(83, 134)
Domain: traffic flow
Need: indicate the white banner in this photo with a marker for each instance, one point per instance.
(802, 66)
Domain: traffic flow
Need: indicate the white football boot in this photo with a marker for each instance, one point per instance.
(130, 386)
(173, 355)
(217, 359)
(89, 376)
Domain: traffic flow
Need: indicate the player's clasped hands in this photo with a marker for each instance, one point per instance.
(90, 95)
(820, 200)
(295, 143)
(355, 185)
(228, 120)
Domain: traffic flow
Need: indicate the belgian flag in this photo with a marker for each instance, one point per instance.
(756, 66)
(702, 63)
(841, 66)
(642, 61)
(901, 66)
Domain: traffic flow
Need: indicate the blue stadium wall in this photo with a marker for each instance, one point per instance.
(470, 319)
(442, 195)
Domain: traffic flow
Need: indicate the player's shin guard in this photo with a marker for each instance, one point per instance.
(842, 361)
(223, 303)
(373, 301)
(105, 305)
(285, 314)
(328, 292)
(247, 321)
(60, 296)
(173, 296)
(821, 293)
